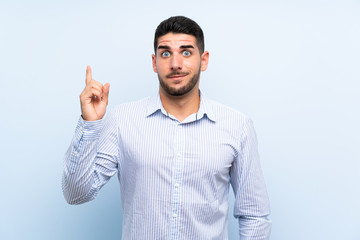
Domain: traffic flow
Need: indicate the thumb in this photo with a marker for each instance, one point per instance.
(106, 89)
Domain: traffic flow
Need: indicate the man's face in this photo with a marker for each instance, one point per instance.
(178, 63)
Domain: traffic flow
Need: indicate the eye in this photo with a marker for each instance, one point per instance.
(165, 54)
(186, 53)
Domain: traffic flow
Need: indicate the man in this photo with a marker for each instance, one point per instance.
(175, 153)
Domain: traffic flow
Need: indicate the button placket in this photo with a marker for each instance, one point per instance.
(176, 181)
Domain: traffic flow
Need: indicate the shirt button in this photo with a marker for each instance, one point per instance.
(174, 215)
(176, 185)
(179, 154)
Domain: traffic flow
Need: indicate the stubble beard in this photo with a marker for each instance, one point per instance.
(181, 91)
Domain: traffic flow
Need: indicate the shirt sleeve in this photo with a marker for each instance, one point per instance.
(252, 206)
(91, 159)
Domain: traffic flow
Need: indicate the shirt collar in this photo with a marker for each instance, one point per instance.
(205, 108)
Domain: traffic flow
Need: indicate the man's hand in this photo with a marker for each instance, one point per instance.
(94, 98)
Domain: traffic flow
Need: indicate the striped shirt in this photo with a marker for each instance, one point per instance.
(174, 176)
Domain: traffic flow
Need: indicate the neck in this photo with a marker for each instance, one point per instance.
(181, 106)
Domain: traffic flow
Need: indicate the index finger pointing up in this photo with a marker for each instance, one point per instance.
(88, 75)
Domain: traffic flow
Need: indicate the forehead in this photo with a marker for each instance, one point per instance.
(175, 40)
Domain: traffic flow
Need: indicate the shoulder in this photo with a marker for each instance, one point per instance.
(130, 109)
(234, 123)
(223, 112)
(230, 120)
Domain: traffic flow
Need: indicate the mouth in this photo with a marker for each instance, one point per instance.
(177, 76)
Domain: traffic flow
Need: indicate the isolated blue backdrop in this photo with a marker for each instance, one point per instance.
(293, 66)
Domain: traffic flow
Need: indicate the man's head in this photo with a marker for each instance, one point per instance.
(180, 24)
(179, 56)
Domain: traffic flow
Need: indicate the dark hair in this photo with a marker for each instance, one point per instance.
(180, 24)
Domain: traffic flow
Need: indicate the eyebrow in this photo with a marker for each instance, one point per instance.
(182, 47)
(163, 47)
(187, 46)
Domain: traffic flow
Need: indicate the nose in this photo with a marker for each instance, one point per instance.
(176, 62)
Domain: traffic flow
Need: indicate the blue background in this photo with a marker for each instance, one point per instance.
(293, 66)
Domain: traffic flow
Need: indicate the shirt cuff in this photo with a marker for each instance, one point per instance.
(88, 130)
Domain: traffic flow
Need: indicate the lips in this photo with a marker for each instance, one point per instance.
(177, 75)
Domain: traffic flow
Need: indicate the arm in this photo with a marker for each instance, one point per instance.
(92, 156)
(252, 206)
(91, 159)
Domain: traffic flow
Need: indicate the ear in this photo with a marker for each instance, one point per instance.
(204, 61)
(154, 62)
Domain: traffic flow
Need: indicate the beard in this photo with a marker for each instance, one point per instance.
(181, 91)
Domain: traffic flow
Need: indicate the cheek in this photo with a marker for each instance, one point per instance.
(192, 65)
(161, 67)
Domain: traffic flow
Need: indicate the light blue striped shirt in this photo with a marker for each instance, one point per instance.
(174, 176)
